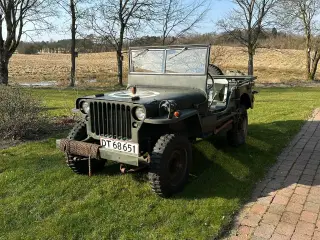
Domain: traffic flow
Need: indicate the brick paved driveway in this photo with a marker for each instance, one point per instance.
(286, 204)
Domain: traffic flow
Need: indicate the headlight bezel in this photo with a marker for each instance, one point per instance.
(140, 113)
(85, 109)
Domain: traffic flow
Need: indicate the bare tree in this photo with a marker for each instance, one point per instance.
(246, 22)
(176, 18)
(301, 16)
(15, 15)
(73, 42)
(74, 11)
(112, 19)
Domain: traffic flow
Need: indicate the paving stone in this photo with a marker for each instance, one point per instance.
(285, 229)
(316, 182)
(294, 172)
(312, 207)
(257, 238)
(307, 177)
(258, 209)
(245, 231)
(291, 180)
(305, 228)
(265, 200)
(292, 186)
(297, 236)
(316, 235)
(264, 231)
(315, 190)
(308, 186)
(290, 217)
(271, 218)
(296, 198)
(313, 198)
(308, 217)
(251, 220)
(286, 192)
(274, 184)
(280, 199)
(268, 192)
(301, 191)
(277, 208)
(298, 167)
(281, 173)
(294, 207)
(318, 225)
(310, 171)
(277, 236)
(305, 182)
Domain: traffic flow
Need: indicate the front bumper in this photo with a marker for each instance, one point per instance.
(104, 153)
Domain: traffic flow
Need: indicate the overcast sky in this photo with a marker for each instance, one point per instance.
(218, 9)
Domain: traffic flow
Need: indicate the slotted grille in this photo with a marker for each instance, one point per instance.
(110, 120)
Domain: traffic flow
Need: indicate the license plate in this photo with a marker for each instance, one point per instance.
(121, 146)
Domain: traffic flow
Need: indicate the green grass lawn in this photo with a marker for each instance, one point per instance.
(40, 198)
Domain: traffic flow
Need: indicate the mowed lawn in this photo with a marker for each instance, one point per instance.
(40, 198)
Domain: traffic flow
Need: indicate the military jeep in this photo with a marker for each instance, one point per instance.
(174, 96)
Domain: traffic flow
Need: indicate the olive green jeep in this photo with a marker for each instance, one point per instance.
(174, 96)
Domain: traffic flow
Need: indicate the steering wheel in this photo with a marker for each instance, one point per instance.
(210, 86)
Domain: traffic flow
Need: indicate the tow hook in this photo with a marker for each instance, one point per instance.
(124, 170)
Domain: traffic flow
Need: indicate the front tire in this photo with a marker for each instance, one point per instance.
(170, 164)
(76, 163)
(238, 134)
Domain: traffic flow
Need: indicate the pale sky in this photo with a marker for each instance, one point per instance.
(218, 9)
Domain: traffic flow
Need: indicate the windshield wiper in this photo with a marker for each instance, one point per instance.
(142, 52)
(182, 50)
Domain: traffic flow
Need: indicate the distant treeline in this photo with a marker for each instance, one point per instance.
(268, 39)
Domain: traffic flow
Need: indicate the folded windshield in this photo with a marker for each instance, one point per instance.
(173, 60)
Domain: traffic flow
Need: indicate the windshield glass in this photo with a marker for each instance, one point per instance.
(166, 61)
(145, 60)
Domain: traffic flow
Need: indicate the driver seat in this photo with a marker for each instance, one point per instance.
(218, 95)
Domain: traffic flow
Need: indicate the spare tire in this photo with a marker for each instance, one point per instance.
(214, 70)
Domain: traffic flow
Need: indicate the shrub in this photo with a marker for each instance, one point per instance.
(21, 114)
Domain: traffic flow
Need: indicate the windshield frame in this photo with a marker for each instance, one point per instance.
(165, 49)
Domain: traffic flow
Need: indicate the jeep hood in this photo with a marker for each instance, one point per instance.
(184, 97)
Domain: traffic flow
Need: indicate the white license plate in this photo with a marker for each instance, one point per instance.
(121, 146)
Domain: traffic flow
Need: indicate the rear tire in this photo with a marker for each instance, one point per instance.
(76, 163)
(170, 164)
(238, 134)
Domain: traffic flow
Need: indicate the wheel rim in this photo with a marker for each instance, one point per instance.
(177, 166)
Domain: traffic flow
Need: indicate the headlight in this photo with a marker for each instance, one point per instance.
(85, 107)
(140, 113)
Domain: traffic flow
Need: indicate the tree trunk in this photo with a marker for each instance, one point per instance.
(314, 67)
(308, 64)
(4, 72)
(250, 62)
(120, 73)
(73, 44)
(119, 54)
